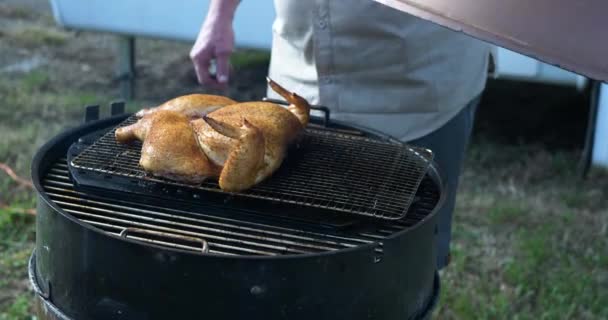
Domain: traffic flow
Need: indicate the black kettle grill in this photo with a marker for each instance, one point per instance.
(113, 243)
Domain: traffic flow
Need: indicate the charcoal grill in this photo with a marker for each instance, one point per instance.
(104, 253)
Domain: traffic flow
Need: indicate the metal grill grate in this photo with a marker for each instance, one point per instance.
(228, 233)
(328, 169)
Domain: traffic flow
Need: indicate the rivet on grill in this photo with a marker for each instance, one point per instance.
(257, 290)
(160, 257)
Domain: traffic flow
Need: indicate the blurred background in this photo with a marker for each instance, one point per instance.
(531, 224)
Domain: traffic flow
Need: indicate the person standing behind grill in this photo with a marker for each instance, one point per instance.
(373, 66)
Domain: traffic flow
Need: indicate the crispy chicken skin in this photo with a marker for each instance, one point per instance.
(170, 148)
(192, 105)
(193, 137)
(245, 157)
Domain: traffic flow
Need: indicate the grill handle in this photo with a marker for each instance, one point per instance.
(203, 242)
(323, 109)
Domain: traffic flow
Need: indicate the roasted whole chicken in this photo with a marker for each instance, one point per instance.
(195, 137)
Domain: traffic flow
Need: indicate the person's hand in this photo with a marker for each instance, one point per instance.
(215, 42)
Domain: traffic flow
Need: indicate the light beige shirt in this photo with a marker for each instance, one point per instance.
(375, 66)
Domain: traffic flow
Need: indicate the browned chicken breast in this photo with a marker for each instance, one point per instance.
(170, 148)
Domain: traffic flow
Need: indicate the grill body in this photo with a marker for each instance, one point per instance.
(81, 272)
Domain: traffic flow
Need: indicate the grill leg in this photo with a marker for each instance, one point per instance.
(588, 150)
(126, 66)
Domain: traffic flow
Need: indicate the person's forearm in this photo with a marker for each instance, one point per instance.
(222, 10)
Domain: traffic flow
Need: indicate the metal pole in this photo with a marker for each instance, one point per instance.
(126, 66)
(585, 161)
(600, 141)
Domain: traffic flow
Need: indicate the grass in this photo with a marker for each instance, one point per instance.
(535, 275)
(15, 12)
(523, 250)
(249, 58)
(506, 212)
(35, 36)
(19, 309)
(32, 112)
(17, 236)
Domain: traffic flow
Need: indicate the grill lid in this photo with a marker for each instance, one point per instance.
(327, 169)
(564, 33)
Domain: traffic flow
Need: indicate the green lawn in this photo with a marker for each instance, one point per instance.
(32, 111)
(530, 238)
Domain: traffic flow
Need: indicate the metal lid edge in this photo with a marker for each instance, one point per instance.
(505, 41)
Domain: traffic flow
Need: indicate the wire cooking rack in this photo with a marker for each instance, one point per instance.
(328, 169)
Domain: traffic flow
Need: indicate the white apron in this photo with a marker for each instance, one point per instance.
(375, 66)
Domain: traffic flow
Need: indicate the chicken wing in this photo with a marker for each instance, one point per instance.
(224, 134)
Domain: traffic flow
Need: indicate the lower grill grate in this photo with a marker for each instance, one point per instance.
(226, 232)
(330, 170)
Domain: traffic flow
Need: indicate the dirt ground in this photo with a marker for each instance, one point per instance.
(529, 235)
